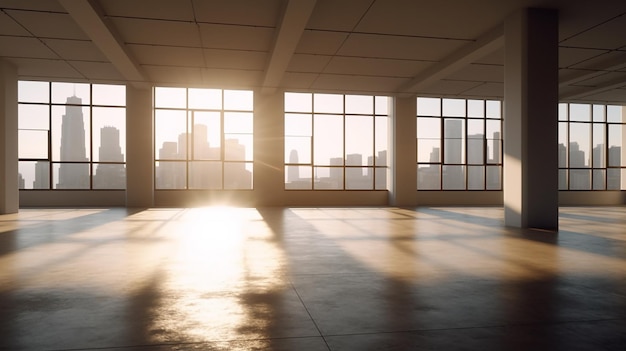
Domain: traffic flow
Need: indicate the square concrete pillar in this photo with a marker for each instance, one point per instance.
(403, 186)
(269, 131)
(139, 148)
(9, 192)
(530, 119)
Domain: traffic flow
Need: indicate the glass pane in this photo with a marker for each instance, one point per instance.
(328, 140)
(453, 177)
(428, 106)
(29, 91)
(298, 102)
(239, 100)
(109, 134)
(328, 178)
(475, 177)
(327, 103)
(494, 177)
(207, 136)
(360, 104)
(614, 114)
(32, 144)
(476, 128)
(210, 99)
(580, 179)
(428, 128)
(494, 129)
(238, 175)
(562, 112)
(615, 177)
(238, 122)
(454, 107)
(428, 177)
(110, 95)
(380, 180)
(615, 145)
(579, 146)
(109, 176)
(429, 150)
(599, 148)
(476, 108)
(475, 151)
(382, 105)
(494, 109)
(361, 178)
(298, 150)
(298, 125)
(34, 174)
(170, 128)
(562, 179)
(580, 112)
(563, 126)
(170, 97)
(238, 147)
(598, 113)
(70, 133)
(298, 177)
(33, 116)
(381, 142)
(205, 175)
(70, 93)
(494, 151)
(170, 175)
(454, 141)
(71, 175)
(599, 179)
(359, 141)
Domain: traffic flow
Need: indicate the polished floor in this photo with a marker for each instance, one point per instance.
(310, 279)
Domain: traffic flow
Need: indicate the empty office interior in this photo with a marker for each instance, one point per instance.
(312, 174)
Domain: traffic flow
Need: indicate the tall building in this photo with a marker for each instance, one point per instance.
(42, 175)
(73, 175)
(110, 176)
(293, 175)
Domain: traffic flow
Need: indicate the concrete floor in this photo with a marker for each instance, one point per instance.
(310, 279)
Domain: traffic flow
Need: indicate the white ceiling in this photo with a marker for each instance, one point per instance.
(369, 46)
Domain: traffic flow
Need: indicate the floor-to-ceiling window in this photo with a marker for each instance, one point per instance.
(459, 144)
(203, 138)
(336, 141)
(591, 152)
(71, 135)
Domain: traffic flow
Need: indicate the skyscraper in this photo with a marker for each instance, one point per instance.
(110, 176)
(73, 175)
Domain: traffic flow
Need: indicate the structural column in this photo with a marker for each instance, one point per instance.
(530, 119)
(269, 181)
(403, 186)
(139, 148)
(9, 193)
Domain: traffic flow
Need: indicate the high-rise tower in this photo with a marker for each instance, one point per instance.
(73, 175)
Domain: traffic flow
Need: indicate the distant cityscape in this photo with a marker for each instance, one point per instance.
(76, 175)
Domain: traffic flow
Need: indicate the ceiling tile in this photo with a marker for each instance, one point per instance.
(77, 50)
(308, 63)
(449, 87)
(356, 84)
(601, 79)
(234, 59)
(264, 13)
(569, 57)
(27, 47)
(298, 80)
(9, 27)
(141, 31)
(166, 55)
(157, 9)
(602, 36)
(479, 73)
(53, 69)
(97, 70)
(494, 58)
(320, 43)
(39, 5)
(375, 67)
(216, 36)
(603, 61)
(489, 90)
(233, 79)
(49, 25)
(411, 48)
(612, 96)
(337, 15)
(167, 75)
